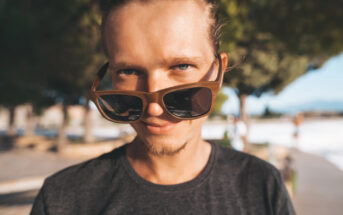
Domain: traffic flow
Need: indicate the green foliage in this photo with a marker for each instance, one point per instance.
(225, 142)
(307, 27)
(221, 98)
(15, 54)
(69, 46)
(48, 50)
(269, 114)
(278, 40)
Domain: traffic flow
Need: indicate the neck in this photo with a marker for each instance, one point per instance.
(175, 168)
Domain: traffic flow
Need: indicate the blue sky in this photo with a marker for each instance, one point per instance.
(324, 84)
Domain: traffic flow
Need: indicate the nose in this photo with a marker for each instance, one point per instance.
(154, 109)
(154, 84)
(154, 81)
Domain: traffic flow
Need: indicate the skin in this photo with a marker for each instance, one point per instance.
(152, 46)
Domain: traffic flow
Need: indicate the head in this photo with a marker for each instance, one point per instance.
(157, 44)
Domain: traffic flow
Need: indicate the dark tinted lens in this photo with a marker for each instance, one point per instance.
(189, 103)
(121, 107)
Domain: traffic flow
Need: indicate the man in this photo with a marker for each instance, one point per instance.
(166, 71)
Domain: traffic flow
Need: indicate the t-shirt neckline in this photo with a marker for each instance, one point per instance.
(195, 182)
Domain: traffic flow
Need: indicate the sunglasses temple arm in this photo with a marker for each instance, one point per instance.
(99, 77)
(220, 75)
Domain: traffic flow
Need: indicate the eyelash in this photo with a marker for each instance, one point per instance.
(182, 65)
(130, 71)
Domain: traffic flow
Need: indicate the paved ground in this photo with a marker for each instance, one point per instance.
(22, 172)
(19, 163)
(319, 188)
(319, 183)
(17, 203)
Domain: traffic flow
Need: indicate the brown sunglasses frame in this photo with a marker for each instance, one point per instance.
(157, 96)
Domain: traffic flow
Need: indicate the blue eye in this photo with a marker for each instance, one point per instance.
(183, 66)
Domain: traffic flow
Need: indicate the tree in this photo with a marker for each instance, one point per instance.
(48, 49)
(18, 82)
(69, 50)
(278, 40)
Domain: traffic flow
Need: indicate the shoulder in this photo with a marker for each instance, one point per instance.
(89, 172)
(256, 181)
(79, 185)
(246, 164)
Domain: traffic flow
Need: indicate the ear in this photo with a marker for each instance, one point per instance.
(224, 58)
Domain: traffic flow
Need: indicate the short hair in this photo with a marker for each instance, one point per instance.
(106, 6)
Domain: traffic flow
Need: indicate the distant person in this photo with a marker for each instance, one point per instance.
(166, 71)
(298, 119)
(239, 133)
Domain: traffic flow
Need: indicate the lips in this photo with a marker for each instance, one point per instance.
(156, 128)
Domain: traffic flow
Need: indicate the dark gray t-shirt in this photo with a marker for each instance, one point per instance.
(231, 183)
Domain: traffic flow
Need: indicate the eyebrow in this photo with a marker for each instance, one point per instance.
(180, 60)
(124, 65)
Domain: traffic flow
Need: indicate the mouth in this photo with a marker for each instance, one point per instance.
(158, 128)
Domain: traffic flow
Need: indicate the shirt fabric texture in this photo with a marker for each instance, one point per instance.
(232, 182)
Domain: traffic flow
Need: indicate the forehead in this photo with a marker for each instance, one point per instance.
(158, 28)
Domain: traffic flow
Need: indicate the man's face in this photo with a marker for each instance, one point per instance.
(156, 45)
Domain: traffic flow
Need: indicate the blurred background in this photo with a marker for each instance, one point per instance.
(282, 100)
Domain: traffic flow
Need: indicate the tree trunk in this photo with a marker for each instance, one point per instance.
(242, 107)
(244, 117)
(88, 135)
(30, 122)
(11, 130)
(62, 133)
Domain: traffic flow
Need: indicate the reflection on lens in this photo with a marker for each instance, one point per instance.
(121, 107)
(189, 103)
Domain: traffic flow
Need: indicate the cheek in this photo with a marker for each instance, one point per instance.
(136, 127)
(191, 126)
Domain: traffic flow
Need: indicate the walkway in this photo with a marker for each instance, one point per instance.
(319, 187)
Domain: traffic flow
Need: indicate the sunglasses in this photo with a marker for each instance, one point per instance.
(188, 101)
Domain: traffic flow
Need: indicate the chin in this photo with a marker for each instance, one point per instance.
(171, 141)
(163, 145)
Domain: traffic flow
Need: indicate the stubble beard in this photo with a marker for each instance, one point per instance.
(164, 145)
(164, 149)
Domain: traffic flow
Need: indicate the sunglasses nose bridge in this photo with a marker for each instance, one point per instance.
(152, 97)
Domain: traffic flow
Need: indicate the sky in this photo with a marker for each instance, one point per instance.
(324, 85)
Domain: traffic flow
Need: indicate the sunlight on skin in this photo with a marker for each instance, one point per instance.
(177, 37)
